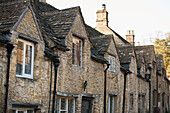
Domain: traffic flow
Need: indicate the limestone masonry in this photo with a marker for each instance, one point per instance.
(51, 61)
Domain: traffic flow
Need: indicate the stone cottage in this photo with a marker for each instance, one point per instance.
(43, 36)
(51, 61)
(141, 63)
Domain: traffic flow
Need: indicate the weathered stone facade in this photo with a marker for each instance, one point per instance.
(79, 87)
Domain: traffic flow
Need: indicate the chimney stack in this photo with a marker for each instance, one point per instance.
(102, 17)
(130, 37)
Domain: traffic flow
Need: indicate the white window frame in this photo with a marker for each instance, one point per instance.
(114, 103)
(23, 75)
(66, 110)
(81, 52)
(24, 110)
(112, 66)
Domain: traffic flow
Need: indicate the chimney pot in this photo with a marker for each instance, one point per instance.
(104, 6)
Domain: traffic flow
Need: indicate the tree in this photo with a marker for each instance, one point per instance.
(162, 46)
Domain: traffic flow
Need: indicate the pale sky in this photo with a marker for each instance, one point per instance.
(145, 17)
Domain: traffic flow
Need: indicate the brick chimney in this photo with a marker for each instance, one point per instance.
(130, 37)
(102, 17)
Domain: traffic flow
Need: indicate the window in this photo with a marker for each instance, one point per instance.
(25, 58)
(87, 105)
(131, 102)
(154, 98)
(112, 104)
(65, 105)
(133, 64)
(22, 111)
(77, 52)
(112, 64)
(141, 104)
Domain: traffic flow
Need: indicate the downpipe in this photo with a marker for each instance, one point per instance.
(9, 51)
(105, 86)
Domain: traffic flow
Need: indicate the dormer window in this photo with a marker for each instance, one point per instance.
(112, 63)
(77, 52)
(25, 58)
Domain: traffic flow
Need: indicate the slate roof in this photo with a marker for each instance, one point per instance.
(125, 53)
(60, 21)
(10, 13)
(100, 43)
(159, 61)
(139, 59)
(5, 38)
(97, 57)
(42, 7)
(92, 32)
(119, 38)
(148, 52)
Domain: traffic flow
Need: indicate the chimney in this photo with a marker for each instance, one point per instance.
(102, 17)
(130, 37)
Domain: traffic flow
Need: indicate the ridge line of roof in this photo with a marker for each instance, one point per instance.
(119, 36)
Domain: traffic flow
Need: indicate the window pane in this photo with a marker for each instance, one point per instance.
(28, 58)
(13, 111)
(111, 104)
(63, 112)
(80, 54)
(114, 64)
(77, 52)
(20, 51)
(20, 111)
(131, 101)
(73, 54)
(70, 105)
(57, 105)
(30, 111)
(63, 103)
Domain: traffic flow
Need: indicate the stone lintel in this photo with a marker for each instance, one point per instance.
(114, 94)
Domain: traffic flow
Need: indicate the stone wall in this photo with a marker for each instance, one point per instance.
(71, 77)
(24, 90)
(3, 70)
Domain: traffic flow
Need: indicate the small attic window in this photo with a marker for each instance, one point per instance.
(112, 62)
(77, 51)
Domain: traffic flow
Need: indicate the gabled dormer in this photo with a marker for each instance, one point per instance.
(127, 57)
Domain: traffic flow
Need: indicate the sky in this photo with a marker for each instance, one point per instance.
(148, 18)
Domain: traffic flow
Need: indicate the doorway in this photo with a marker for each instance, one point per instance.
(86, 105)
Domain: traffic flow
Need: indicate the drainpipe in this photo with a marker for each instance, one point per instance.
(124, 92)
(9, 50)
(157, 89)
(105, 86)
(149, 96)
(50, 86)
(56, 64)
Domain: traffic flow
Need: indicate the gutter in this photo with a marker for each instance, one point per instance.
(105, 85)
